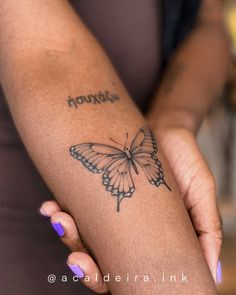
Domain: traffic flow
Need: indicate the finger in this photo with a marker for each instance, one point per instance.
(204, 213)
(66, 228)
(83, 266)
(49, 207)
(207, 224)
(63, 224)
(198, 188)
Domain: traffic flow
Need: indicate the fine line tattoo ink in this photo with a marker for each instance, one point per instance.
(94, 99)
(117, 165)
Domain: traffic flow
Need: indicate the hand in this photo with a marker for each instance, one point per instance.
(198, 189)
(81, 262)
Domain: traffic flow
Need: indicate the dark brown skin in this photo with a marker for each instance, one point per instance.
(192, 82)
(37, 78)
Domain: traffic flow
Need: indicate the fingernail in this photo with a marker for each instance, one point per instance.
(219, 273)
(58, 228)
(42, 212)
(76, 270)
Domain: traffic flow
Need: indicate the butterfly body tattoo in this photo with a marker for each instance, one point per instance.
(117, 165)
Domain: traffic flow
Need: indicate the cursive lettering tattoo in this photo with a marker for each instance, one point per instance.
(98, 98)
(117, 165)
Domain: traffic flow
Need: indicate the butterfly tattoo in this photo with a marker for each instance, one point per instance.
(117, 165)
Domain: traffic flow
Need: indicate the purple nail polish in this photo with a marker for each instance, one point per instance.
(76, 270)
(219, 273)
(58, 228)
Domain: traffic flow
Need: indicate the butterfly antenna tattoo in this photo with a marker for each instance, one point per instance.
(115, 142)
(127, 135)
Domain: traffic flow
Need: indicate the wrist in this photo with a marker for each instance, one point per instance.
(168, 119)
(170, 138)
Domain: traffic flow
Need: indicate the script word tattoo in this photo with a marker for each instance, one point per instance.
(94, 99)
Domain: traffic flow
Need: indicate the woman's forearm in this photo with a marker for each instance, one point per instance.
(63, 92)
(196, 74)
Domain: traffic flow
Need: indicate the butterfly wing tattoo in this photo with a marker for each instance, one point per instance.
(117, 165)
(112, 162)
(143, 150)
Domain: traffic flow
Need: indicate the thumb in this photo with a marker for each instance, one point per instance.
(203, 210)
